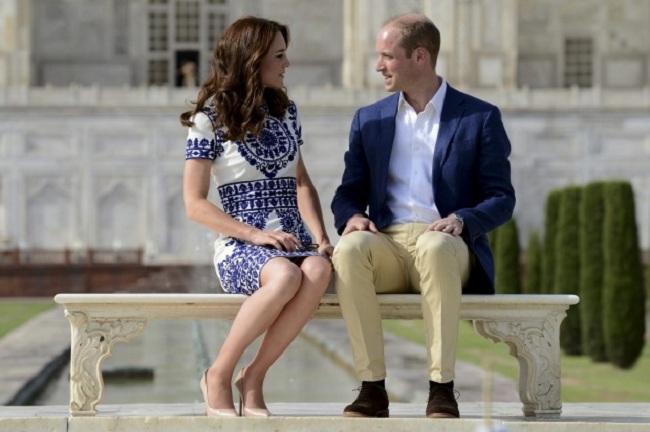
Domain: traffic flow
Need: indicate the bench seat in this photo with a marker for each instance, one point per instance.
(528, 324)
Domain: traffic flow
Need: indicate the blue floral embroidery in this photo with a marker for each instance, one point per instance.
(276, 146)
(246, 200)
(252, 202)
(293, 118)
(291, 222)
(208, 110)
(203, 149)
(240, 272)
(267, 200)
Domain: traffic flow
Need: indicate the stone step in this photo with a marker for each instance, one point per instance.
(582, 417)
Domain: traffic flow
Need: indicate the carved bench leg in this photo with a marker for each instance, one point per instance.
(91, 342)
(536, 346)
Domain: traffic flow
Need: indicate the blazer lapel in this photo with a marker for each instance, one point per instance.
(385, 139)
(449, 119)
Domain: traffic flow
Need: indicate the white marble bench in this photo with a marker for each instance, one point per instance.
(528, 324)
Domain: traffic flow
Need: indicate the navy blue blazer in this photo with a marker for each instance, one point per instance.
(471, 173)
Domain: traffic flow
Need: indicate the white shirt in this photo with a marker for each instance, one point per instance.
(410, 170)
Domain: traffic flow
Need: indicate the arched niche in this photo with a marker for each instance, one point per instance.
(118, 218)
(48, 215)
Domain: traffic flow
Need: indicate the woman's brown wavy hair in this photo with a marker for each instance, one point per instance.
(234, 88)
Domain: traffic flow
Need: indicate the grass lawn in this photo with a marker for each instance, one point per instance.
(582, 379)
(15, 313)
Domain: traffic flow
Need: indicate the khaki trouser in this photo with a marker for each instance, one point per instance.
(401, 259)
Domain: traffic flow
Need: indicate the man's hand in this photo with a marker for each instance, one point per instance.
(359, 223)
(449, 225)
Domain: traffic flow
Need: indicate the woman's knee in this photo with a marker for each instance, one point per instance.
(317, 269)
(282, 277)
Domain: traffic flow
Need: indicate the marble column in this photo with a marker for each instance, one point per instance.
(354, 42)
(14, 43)
(441, 12)
(510, 48)
(463, 67)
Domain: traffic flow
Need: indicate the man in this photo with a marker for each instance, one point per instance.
(430, 166)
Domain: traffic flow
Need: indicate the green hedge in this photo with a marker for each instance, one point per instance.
(567, 266)
(550, 230)
(623, 290)
(507, 277)
(591, 270)
(590, 247)
(533, 284)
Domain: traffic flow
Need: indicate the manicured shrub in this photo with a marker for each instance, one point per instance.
(647, 276)
(507, 275)
(623, 290)
(550, 230)
(533, 281)
(567, 266)
(592, 213)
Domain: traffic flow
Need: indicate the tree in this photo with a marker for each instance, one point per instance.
(623, 291)
(533, 283)
(592, 213)
(550, 230)
(507, 277)
(567, 266)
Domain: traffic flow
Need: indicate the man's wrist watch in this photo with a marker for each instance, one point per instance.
(459, 219)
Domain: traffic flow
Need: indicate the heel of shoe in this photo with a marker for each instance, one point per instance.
(243, 411)
(203, 387)
(256, 412)
(213, 412)
(241, 402)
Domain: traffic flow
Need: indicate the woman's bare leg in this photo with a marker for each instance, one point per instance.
(280, 281)
(316, 273)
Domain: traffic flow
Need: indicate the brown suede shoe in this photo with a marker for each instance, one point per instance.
(442, 403)
(371, 402)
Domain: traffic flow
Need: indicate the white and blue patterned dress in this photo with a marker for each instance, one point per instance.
(256, 184)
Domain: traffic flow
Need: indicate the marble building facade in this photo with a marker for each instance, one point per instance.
(91, 151)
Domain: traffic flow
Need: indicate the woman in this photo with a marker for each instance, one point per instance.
(245, 132)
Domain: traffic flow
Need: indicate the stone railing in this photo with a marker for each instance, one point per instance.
(521, 99)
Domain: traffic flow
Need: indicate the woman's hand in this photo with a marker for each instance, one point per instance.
(326, 249)
(276, 239)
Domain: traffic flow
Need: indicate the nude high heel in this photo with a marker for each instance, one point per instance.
(214, 412)
(248, 412)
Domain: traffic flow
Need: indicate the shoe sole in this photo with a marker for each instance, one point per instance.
(441, 415)
(352, 414)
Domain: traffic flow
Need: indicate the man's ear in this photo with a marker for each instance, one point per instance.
(421, 54)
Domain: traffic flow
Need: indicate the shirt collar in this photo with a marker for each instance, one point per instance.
(437, 100)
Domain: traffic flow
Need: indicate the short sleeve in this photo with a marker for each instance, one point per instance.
(202, 141)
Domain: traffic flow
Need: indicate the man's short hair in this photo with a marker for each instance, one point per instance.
(417, 31)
